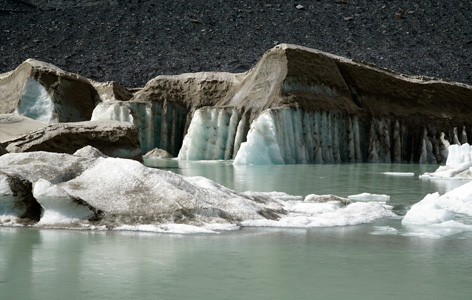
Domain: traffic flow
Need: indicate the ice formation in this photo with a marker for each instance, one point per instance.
(35, 103)
(161, 124)
(441, 215)
(308, 215)
(458, 164)
(8, 202)
(288, 136)
(369, 197)
(213, 134)
(116, 110)
(90, 190)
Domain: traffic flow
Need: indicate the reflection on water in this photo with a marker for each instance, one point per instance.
(303, 179)
(329, 263)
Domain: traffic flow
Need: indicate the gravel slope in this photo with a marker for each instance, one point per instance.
(133, 41)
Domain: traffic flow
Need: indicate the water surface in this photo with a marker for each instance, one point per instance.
(252, 263)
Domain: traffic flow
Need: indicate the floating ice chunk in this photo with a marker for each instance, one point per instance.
(458, 164)
(307, 215)
(89, 152)
(261, 147)
(406, 174)
(427, 212)
(437, 231)
(165, 228)
(58, 206)
(441, 215)
(384, 230)
(36, 103)
(325, 198)
(369, 197)
(275, 195)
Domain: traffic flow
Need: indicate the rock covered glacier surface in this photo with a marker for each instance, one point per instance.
(90, 190)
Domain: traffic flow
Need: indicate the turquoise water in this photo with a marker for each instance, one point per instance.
(252, 263)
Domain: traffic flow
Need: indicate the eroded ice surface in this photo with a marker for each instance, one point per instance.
(90, 190)
(458, 164)
(116, 110)
(36, 103)
(369, 197)
(441, 215)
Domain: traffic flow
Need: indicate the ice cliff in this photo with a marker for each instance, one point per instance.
(296, 105)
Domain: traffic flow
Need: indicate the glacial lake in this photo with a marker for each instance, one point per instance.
(355, 262)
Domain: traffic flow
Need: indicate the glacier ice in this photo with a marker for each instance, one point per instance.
(211, 135)
(161, 124)
(288, 136)
(369, 197)
(35, 103)
(458, 164)
(116, 110)
(438, 215)
(8, 208)
(59, 208)
(90, 190)
(326, 215)
(261, 146)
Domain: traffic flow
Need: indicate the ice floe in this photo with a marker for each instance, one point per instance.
(458, 164)
(369, 197)
(89, 190)
(441, 215)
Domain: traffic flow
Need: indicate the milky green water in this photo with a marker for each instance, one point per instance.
(252, 263)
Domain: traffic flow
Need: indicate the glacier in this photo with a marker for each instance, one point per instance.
(296, 105)
(288, 136)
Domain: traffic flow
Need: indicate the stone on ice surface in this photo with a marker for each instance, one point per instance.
(116, 139)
